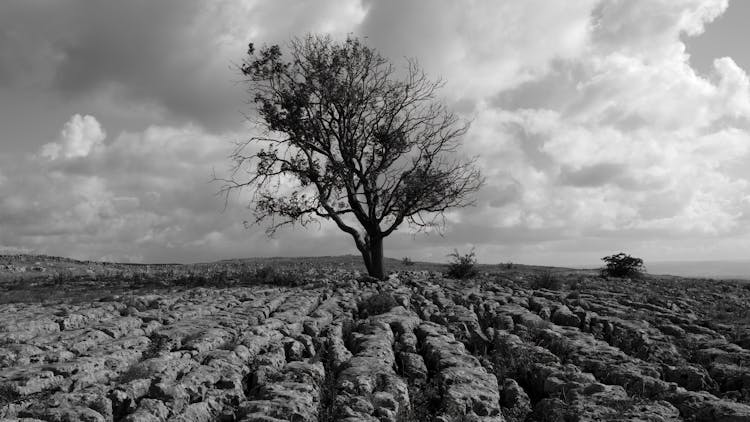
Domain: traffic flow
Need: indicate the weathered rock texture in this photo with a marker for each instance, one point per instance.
(414, 348)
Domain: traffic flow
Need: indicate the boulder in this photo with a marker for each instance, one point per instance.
(562, 315)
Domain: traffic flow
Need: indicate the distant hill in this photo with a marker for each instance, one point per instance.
(702, 269)
(34, 265)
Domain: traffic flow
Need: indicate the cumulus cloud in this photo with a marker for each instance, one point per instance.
(84, 197)
(649, 29)
(481, 47)
(599, 126)
(140, 196)
(627, 138)
(78, 138)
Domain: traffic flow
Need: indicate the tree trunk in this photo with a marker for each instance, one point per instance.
(376, 257)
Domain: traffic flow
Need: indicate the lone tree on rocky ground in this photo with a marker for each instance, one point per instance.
(623, 265)
(346, 136)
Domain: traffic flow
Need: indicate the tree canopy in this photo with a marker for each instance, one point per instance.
(346, 136)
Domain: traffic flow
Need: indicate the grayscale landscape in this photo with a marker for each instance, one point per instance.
(374, 211)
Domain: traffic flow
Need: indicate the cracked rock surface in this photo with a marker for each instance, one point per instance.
(416, 347)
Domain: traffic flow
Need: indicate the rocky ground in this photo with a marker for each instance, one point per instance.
(336, 346)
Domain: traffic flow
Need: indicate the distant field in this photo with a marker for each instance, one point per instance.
(702, 269)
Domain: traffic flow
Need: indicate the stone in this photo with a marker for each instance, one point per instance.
(564, 316)
(672, 330)
(413, 367)
(294, 350)
(691, 377)
(149, 410)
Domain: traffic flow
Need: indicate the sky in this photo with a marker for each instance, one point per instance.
(600, 125)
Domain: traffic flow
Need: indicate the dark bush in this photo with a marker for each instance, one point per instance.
(623, 265)
(135, 372)
(546, 280)
(378, 303)
(367, 279)
(407, 261)
(462, 266)
(425, 402)
(576, 283)
(276, 277)
(8, 394)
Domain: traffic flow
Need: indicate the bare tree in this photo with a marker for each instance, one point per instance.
(347, 137)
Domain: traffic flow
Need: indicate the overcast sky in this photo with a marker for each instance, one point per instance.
(601, 125)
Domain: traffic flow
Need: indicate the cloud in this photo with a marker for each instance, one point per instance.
(78, 138)
(480, 47)
(594, 175)
(84, 197)
(626, 138)
(650, 28)
(175, 58)
(138, 196)
(599, 125)
(590, 125)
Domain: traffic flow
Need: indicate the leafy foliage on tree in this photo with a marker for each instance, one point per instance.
(348, 137)
(623, 265)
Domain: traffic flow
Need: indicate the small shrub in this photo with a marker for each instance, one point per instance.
(407, 261)
(577, 283)
(558, 345)
(425, 402)
(728, 311)
(265, 274)
(63, 278)
(219, 278)
(271, 275)
(623, 265)
(8, 395)
(462, 266)
(157, 345)
(512, 365)
(328, 387)
(378, 303)
(535, 325)
(135, 372)
(368, 279)
(546, 280)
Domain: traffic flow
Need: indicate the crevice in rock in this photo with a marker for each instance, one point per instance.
(424, 392)
(330, 355)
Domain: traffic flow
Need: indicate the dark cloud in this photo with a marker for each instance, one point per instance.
(152, 52)
(592, 176)
(142, 52)
(552, 91)
(178, 57)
